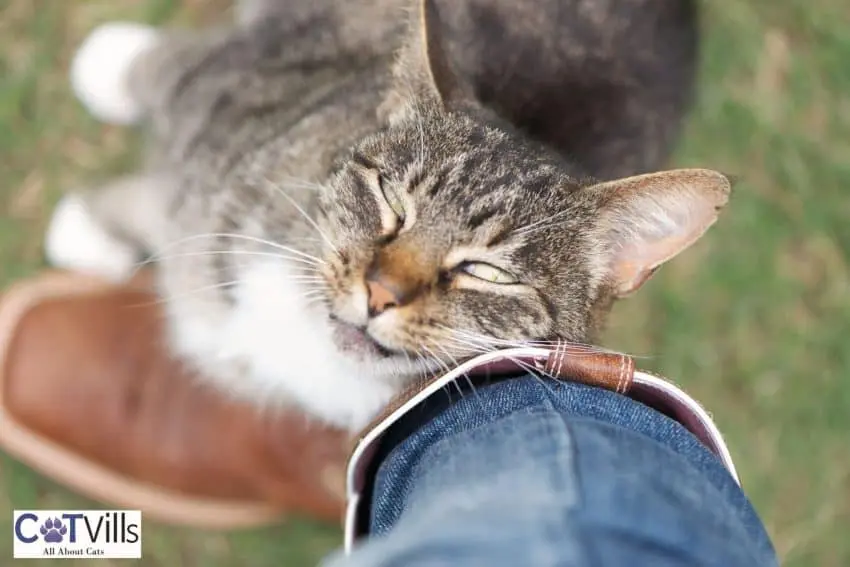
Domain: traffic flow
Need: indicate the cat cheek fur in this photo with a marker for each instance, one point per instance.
(347, 294)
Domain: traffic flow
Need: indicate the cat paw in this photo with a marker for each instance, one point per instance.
(75, 241)
(248, 11)
(100, 70)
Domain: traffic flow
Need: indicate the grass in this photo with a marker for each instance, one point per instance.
(754, 321)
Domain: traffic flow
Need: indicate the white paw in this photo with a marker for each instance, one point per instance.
(75, 241)
(248, 11)
(100, 70)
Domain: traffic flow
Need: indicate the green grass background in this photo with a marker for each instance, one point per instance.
(754, 321)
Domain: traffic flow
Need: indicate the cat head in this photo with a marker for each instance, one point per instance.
(452, 233)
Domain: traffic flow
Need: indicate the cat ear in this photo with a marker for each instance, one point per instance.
(443, 77)
(648, 219)
(424, 71)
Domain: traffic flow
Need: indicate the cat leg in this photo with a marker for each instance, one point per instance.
(106, 232)
(248, 12)
(101, 69)
(124, 71)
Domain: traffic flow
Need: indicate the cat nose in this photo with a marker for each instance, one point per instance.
(381, 297)
(386, 291)
(395, 278)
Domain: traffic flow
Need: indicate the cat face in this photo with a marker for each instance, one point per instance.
(448, 230)
(450, 235)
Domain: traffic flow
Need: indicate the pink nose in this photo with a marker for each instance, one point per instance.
(381, 297)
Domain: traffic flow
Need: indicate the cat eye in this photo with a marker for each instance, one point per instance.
(488, 273)
(391, 197)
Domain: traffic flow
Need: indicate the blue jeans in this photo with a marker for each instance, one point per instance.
(527, 473)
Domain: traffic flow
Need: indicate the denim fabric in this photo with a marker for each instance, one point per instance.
(536, 473)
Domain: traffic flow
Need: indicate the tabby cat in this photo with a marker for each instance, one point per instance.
(342, 196)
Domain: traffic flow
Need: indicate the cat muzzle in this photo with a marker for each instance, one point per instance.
(357, 340)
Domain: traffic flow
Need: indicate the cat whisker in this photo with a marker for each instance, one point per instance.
(306, 239)
(210, 273)
(172, 297)
(160, 258)
(235, 236)
(476, 342)
(426, 367)
(425, 360)
(429, 370)
(314, 293)
(506, 343)
(537, 373)
(314, 287)
(407, 358)
(466, 348)
(320, 291)
(473, 348)
(465, 374)
(540, 224)
(314, 301)
(275, 245)
(301, 183)
(304, 214)
(422, 362)
(419, 364)
(445, 367)
(438, 364)
(446, 353)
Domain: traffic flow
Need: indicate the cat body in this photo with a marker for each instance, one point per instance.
(342, 197)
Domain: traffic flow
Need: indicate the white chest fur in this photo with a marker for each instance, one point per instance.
(274, 346)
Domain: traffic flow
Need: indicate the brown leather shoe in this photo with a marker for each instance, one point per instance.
(90, 398)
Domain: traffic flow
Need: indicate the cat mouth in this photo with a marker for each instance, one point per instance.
(356, 340)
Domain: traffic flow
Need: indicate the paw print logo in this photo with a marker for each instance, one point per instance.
(53, 530)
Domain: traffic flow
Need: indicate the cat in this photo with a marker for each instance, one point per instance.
(343, 197)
